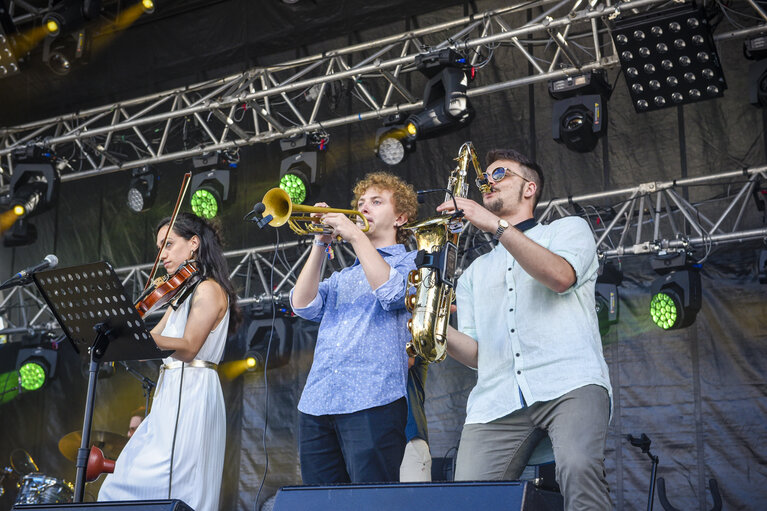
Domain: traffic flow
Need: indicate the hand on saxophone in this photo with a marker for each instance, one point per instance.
(475, 213)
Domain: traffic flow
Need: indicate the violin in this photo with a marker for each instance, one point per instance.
(172, 288)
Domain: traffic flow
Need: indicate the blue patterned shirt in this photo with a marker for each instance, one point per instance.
(360, 360)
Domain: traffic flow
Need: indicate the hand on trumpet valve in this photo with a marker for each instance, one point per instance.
(342, 226)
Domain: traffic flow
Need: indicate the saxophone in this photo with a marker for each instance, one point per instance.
(433, 282)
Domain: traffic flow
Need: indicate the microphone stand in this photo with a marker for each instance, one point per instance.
(146, 383)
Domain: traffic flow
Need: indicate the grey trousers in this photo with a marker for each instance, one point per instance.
(577, 425)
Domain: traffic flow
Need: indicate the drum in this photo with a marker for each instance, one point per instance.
(36, 488)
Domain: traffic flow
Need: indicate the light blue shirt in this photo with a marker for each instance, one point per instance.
(360, 360)
(532, 342)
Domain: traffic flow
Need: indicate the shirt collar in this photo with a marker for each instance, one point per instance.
(526, 224)
(387, 251)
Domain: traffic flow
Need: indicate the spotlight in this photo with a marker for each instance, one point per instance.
(212, 186)
(209, 190)
(446, 105)
(60, 53)
(8, 64)
(606, 297)
(33, 186)
(35, 367)
(305, 167)
(69, 15)
(676, 296)
(756, 49)
(668, 58)
(394, 141)
(250, 363)
(579, 118)
(148, 6)
(142, 191)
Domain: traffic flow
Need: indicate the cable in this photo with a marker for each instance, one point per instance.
(266, 378)
(175, 428)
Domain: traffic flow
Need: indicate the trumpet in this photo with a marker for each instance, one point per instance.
(277, 203)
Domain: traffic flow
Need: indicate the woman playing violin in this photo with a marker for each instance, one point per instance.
(178, 450)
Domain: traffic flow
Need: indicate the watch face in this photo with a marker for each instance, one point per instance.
(503, 223)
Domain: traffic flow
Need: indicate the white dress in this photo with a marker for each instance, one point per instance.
(142, 469)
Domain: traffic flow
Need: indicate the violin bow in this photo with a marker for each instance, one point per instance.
(184, 187)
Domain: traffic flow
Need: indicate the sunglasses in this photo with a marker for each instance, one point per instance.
(497, 174)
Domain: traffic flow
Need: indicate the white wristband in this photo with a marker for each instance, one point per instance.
(319, 243)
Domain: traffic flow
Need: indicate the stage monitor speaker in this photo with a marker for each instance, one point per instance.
(133, 505)
(495, 495)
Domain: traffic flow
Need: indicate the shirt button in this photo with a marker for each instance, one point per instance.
(509, 268)
(511, 309)
(516, 354)
(512, 330)
(519, 372)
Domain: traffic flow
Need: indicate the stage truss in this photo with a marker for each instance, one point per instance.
(649, 219)
(299, 96)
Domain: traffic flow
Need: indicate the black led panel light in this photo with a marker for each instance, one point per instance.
(668, 58)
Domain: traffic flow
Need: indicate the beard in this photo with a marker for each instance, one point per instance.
(494, 205)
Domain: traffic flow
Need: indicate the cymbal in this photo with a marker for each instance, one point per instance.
(110, 443)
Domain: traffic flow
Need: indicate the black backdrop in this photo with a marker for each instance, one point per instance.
(699, 393)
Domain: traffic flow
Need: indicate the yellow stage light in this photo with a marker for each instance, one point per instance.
(148, 5)
(52, 26)
(411, 128)
(19, 210)
(250, 362)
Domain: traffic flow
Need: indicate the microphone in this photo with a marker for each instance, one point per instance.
(24, 275)
(255, 213)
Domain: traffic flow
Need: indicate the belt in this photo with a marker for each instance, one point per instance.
(194, 363)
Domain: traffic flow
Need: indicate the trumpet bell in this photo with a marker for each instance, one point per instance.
(277, 203)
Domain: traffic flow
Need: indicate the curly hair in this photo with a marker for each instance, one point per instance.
(403, 195)
(210, 255)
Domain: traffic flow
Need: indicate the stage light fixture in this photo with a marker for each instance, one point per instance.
(606, 297)
(69, 15)
(393, 141)
(676, 297)
(34, 185)
(61, 53)
(755, 48)
(148, 6)
(9, 65)
(211, 185)
(579, 117)
(303, 171)
(209, 191)
(446, 104)
(36, 366)
(142, 190)
(668, 58)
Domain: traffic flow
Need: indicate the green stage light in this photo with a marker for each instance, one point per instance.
(295, 187)
(664, 310)
(204, 203)
(32, 375)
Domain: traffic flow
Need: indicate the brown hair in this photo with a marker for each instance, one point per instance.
(531, 169)
(403, 195)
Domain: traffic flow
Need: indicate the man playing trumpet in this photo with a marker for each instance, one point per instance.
(353, 408)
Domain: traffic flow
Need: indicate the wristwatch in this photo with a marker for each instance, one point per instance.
(502, 226)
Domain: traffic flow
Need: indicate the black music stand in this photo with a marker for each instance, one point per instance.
(91, 298)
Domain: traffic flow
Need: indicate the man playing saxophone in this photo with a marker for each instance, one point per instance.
(353, 408)
(527, 323)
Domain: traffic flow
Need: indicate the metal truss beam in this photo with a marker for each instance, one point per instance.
(302, 95)
(648, 219)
